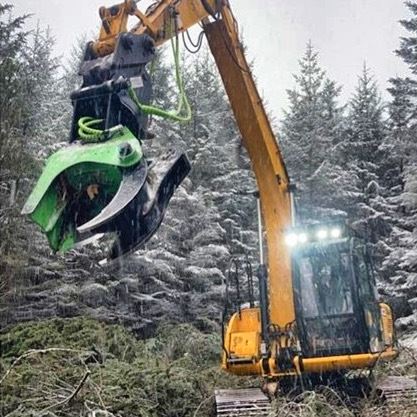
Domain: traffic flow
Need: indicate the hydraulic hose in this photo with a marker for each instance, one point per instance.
(89, 134)
(86, 132)
(183, 104)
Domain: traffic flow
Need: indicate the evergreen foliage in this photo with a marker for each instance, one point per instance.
(211, 217)
(364, 158)
(12, 42)
(399, 268)
(40, 119)
(341, 156)
(172, 374)
(311, 131)
(15, 155)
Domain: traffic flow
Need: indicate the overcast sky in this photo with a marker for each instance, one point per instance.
(345, 32)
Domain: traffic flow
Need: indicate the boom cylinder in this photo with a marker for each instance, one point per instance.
(263, 298)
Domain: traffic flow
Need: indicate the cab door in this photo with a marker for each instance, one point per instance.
(329, 311)
(368, 297)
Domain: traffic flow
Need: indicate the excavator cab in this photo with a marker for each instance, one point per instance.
(339, 323)
(335, 296)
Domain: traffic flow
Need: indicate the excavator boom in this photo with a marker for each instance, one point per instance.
(164, 21)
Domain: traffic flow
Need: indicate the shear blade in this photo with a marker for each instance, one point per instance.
(132, 183)
(142, 218)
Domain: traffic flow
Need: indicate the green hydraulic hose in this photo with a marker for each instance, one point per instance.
(183, 101)
(89, 134)
(85, 131)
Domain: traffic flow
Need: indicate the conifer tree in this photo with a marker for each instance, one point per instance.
(408, 45)
(403, 109)
(68, 81)
(37, 73)
(399, 265)
(311, 130)
(29, 121)
(211, 217)
(364, 158)
(12, 43)
(365, 132)
(15, 158)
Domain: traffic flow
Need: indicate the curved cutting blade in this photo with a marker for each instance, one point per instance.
(132, 182)
(143, 216)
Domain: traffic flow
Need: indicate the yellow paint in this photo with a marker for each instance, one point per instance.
(243, 334)
(332, 363)
(242, 341)
(257, 134)
(265, 156)
(387, 324)
(157, 23)
(244, 344)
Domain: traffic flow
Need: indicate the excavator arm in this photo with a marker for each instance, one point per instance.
(165, 20)
(161, 21)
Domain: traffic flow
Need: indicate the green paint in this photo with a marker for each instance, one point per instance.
(106, 153)
(59, 201)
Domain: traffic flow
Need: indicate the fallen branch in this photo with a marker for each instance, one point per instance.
(37, 352)
(97, 390)
(103, 413)
(201, 404)
(70, 397)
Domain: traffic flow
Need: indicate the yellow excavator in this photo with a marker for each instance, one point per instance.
(317, 310)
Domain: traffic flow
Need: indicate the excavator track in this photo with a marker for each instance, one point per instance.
(250, 402)
(399, 393)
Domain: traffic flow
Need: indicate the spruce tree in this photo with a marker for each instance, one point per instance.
(365, 132)
(12, 43)
(366, 160)
(408, 45)
(399, 267)
(28, 117)
(68, 81)
(14, 151)
(311, 131)
(211, 217)
(403, 109)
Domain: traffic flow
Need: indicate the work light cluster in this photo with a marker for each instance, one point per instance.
(299, 238)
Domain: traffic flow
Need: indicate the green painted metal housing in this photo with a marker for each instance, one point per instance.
(60, 201)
